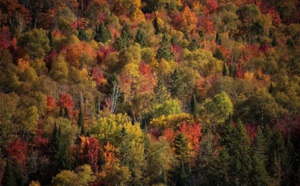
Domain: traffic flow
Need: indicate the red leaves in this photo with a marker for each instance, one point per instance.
(147, 79)
(17, 151)
(65, 101)
(50, 103)
(103, 52)
(5, 41)
(211, 6)
(89, 153)
(97, 76)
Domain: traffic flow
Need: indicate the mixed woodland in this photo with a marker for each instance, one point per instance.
(149, 92)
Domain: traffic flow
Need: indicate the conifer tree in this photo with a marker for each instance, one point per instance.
(193, 45)
(102, 34)
(155, 25)
(80, 122)
(258, 173)
(8, 177)
(165, 49)
(177, 86)
(50, 37)
(140, 38)
(225, 69)
(194, 105)
(82, 35)
(161, 92)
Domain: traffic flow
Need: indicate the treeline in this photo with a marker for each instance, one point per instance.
(149, 92)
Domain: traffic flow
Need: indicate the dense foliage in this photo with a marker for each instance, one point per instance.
(149, 92)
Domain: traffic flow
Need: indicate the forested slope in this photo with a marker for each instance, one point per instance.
(149, 92)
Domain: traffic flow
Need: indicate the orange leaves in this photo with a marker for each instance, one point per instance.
(77, 53)
(109, 154)
(185, 20)
(192, 131)
(23, 63)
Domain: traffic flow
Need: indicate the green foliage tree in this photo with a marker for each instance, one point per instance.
(140, 38)
(102, 33)
(161, 93)
(35, 43)
(165, 50)
(176, 85)
(8, 177)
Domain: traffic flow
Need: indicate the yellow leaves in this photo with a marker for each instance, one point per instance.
(170, 121)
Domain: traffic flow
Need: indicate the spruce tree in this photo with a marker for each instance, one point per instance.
(80, 122)
(225, 69)
(194, 105)
(140, 38)
(161, 92)
(155, 25)
(8, 177)
(177, 86)
(165, 50)
(193, 45)
(82, 35)
(102, 34)
(50, 37)
(258, 173)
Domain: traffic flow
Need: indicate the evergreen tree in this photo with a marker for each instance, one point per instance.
(219, 55)
(80, 122)
(161, 92)
(218, 40)
(225, 69)
(155, 25)
(125, 32)
(140, 38)
(258, 173)
(177, 86)
(193, 45)
(194, 105)
(8, 177)
(82, 35)
(50, 37)
(182, 152)
(102, 34)
(165, 49)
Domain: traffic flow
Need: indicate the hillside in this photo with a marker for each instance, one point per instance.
(149, 92)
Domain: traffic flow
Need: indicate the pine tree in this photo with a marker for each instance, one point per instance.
(8, 177)
(218, 40)
(258, 173)
(165, 49)
(140, 38)
(219, 55)
(82, 35)
(225, 69)
(161, 92)
(50, 37)
(193, 45)
(182, 152)
(102, 34)
(177, 86)
(80, 122)
(194, 105)
(155, 25)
